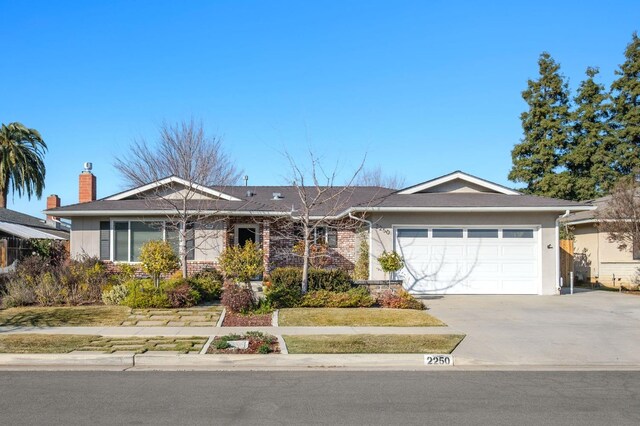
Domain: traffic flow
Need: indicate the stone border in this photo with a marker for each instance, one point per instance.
(274, 318)
(205, 347)
(283, 345)
(221, 319)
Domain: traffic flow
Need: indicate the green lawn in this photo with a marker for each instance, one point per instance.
(64, 343)
(356, 317)
(372, 343)
(64, 316)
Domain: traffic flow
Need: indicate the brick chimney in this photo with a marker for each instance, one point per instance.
(53, 201)
(87, 185)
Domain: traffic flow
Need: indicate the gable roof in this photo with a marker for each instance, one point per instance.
(167, 181)
(459, 175)
(22, 225)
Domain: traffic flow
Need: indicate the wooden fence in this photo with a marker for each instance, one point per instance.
(566, 260)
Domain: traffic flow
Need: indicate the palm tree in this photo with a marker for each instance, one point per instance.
(22, 168)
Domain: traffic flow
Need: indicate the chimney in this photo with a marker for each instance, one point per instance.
(53, 201)
(87, 186)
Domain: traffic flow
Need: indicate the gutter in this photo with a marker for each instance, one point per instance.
(566, 213)
(368, 222)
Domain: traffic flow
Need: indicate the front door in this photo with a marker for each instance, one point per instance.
(246, 233)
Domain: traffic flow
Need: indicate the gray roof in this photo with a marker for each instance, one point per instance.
(340, 201)
(12, 217)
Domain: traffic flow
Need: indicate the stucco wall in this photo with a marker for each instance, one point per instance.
(603, 258)
(382, 235)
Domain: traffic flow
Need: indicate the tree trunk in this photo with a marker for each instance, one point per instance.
(4, 191)
(182, 243)
(305, 263)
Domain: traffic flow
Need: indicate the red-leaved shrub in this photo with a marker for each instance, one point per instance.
(237, 298)
(398, 300)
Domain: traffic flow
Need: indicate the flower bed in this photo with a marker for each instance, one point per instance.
(258, 343)
(233, 319)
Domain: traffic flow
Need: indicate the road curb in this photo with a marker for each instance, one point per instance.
(120, 359)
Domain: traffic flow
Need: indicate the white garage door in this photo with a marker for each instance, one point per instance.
(469, 260)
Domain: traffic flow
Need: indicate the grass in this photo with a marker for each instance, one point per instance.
(373, 343)
(356, 317)
(64, 343)
(64, 316)
(100, 315)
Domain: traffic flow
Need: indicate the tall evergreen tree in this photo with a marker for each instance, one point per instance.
(625, 97)
(538, 158)
(590, 154)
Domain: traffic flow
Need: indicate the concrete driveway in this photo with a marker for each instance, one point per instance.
(589, 328)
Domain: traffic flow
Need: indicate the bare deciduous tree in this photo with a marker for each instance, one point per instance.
(620, 218)
(317, 203)
(376, 177)
(199, 162)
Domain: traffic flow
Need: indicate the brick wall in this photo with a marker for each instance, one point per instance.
(193, 266)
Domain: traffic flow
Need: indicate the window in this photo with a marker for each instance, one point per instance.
(130, 236)
(105, 240)
(447, 233)
(326, 235)
(482, 233)
(517, 233)
(413, 233)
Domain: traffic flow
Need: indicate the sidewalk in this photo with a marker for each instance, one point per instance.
(220, 331)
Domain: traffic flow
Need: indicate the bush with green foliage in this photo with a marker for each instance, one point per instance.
(143, 294)
(52, 252)
(237, 298)
(208, 282)
(285, 289)
(361, 269)
(115, 295)
(157, 258)
(400, 299)
(242, 263)
(390, 261)
(36, 282)
(355, 298)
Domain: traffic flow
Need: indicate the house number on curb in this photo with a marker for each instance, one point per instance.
(438, 359)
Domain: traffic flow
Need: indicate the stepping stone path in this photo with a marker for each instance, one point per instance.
(201, 316)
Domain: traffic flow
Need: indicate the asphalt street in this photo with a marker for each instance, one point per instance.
(320, 397)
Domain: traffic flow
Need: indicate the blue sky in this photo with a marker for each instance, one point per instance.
(422, 87)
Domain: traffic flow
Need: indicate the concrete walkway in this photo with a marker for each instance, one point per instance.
(219, 331)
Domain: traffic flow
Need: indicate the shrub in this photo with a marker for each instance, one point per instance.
(242, 263)
(399, 300)
(237, 298)
(125, 272)
(144, 294)
(74, 283)
(390, 262)
(115, 295)
(285, 289)
(158, 258)
(264, 348)
(361, 270)
(52, 252)
(354, 298)
(180, 293)
(208, 282)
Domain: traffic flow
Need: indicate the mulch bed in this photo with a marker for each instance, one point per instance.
(232, 319)
(254, 343)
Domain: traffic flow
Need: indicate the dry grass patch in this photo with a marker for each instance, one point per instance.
(356, 317)
(64, 316)
(64, 343)
(373, 343)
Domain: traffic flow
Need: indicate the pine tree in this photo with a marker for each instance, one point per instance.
(590, 154)
(625, 97)
(538, 158)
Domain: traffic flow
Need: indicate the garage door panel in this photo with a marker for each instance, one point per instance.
(470, 265)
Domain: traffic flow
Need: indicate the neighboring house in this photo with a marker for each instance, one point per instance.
(457, 233)
(595, 258)
(17, 228)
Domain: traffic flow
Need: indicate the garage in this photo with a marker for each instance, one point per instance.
(469, 260)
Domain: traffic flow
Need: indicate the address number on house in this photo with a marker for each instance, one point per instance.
(438, 359)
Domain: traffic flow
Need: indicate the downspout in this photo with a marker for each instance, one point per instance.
(368, 222)
(566, 213)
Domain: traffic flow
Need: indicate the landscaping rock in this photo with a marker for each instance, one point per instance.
(175, 324)
(239, 344)
(150, 323)
(203, 324)
(162, 317)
